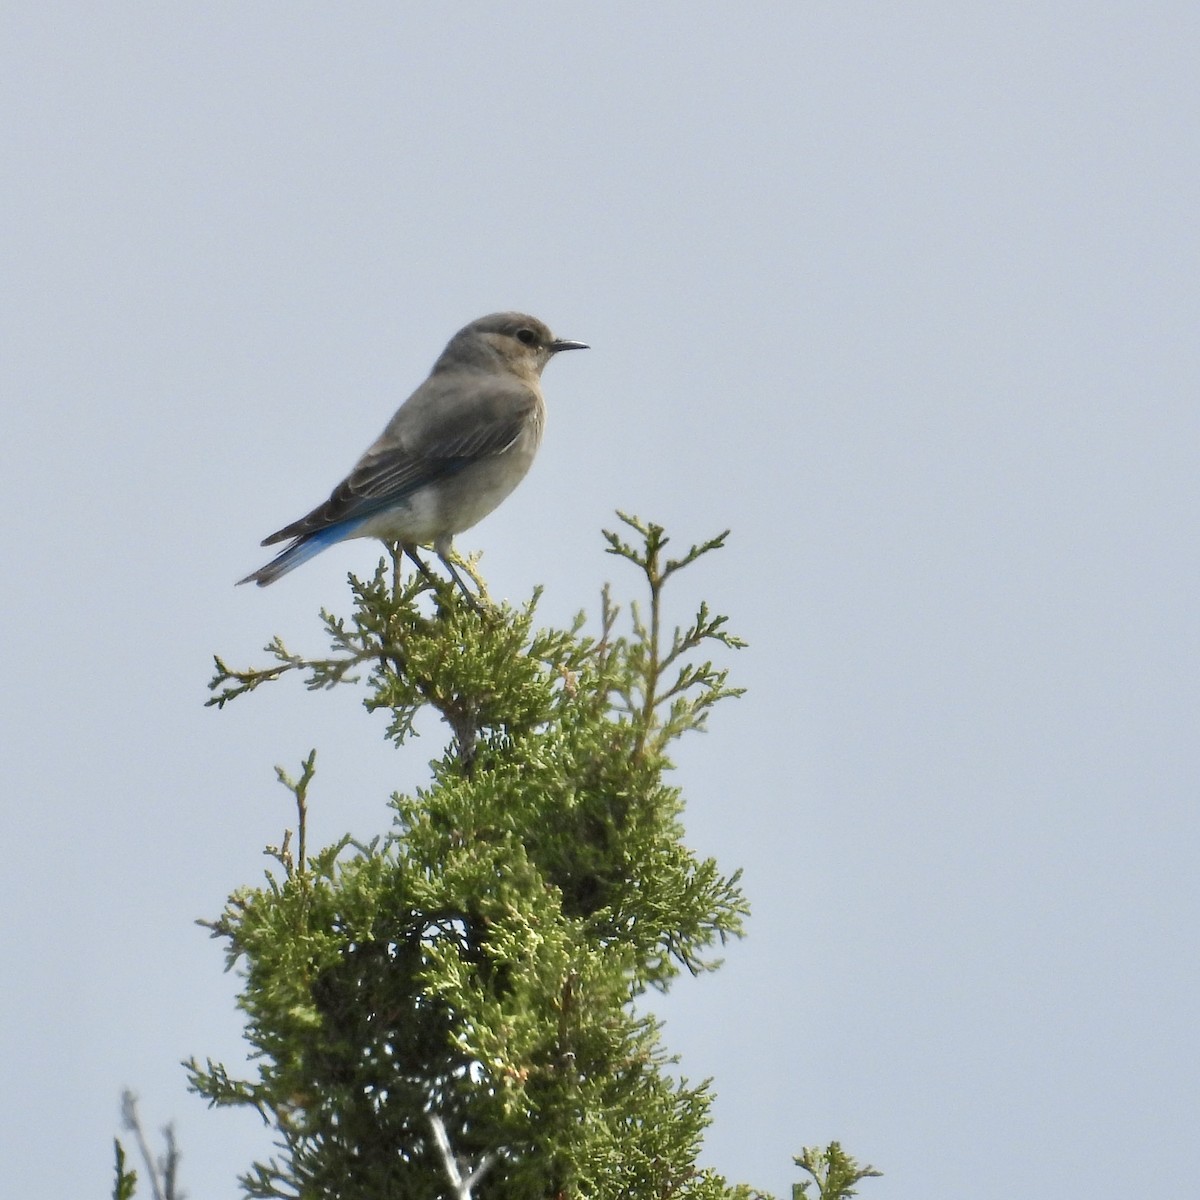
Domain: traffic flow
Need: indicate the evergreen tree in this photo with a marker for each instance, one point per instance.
(452, 1006)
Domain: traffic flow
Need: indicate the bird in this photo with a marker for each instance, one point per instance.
(454, 450)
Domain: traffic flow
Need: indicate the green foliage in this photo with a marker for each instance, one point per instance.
(833, 1171)
(474, 971)
(125, 1182)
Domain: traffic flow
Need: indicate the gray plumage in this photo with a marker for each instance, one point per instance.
(454, 450)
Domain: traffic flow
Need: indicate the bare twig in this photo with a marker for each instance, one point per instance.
(454, 1166)
(162, 1171)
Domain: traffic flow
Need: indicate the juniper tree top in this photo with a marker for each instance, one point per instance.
(460, 992)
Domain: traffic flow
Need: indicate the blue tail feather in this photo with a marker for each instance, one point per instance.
(301, 551)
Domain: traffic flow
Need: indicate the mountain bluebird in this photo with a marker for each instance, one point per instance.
(457, 446)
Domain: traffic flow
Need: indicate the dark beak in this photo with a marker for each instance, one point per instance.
(561, 344)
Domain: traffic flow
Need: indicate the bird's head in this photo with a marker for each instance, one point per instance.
(516, 341)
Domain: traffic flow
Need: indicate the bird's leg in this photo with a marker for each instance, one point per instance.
(444, 548)
(467, 563)
(429, 575)
(466, 591)
(433, 579)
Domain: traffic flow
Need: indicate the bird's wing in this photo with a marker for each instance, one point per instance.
(437, 433)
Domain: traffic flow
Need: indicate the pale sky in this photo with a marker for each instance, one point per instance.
(905, 295)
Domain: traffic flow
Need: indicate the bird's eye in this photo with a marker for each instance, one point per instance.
(527, 336)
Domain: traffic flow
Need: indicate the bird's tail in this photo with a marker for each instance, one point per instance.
(300, 551)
